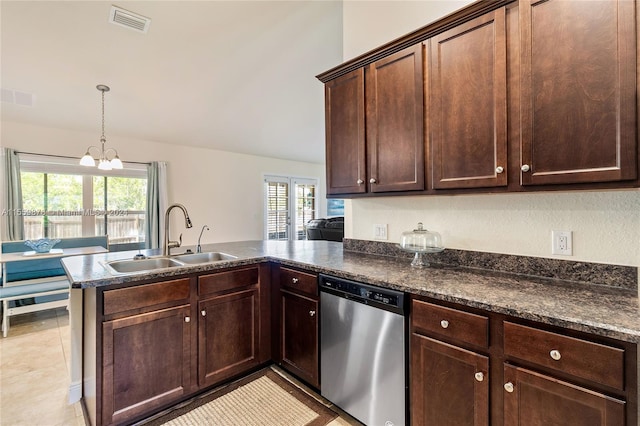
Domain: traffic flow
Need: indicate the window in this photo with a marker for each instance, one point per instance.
(61, 199)
(289, 204)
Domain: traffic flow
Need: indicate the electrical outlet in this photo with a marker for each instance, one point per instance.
(380, 232)
(561, 243)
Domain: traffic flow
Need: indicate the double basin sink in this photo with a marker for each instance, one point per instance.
(129, 266)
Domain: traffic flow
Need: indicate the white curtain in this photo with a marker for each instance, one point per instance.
(156, 203)
(13, 224)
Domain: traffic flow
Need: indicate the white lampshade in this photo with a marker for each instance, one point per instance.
(105, 165)
(87, 160)
(116, 163)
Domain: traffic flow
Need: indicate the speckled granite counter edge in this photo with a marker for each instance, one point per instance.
(390, 272)
(624, 277)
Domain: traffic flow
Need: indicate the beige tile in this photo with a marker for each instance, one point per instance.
(31, 352)
(36, 397)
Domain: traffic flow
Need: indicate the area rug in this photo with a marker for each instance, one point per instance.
(261, 399)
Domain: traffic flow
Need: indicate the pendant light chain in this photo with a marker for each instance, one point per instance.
(104, 162)
(103, 139)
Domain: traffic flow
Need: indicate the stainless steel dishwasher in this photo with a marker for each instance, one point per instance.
(362, 350)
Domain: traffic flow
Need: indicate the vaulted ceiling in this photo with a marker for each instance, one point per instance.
(231, 75)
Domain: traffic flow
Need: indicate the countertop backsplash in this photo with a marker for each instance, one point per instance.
(618, 276)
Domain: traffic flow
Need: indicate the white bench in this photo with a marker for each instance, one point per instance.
(26, 275)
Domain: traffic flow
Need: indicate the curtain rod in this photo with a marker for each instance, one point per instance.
(74, 158)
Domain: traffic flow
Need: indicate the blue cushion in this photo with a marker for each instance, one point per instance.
(30, 289)
(47, 267)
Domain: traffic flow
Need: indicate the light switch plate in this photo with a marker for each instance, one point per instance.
(380, 231)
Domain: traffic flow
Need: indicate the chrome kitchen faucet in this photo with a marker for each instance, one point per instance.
(168, 244)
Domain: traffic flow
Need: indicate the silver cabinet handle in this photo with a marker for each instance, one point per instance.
(372, 180)
(187, 319)
(444, 323)
(312, 313)
(294, 280)
(479, 376)
(203, 312)
(525, 168)
(499, 169)
(508, 387)
(359, 181)
(555, 354)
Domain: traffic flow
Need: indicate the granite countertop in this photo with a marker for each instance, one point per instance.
(601, 310)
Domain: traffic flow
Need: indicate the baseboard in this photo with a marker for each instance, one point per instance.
(75, 392)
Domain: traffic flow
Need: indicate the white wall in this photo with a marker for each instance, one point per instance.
(369, 24)
(606, 225)
(221, 189)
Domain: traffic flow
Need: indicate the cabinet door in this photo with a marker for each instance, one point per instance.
(449, 385)
(299, 336)
(395, 133)
(532, 399)
(578, 63)
(345, 138)
(228, 335)
(146, 361)
(468, 104)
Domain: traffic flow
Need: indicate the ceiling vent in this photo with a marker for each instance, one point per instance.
(10, 96)
(124, 18)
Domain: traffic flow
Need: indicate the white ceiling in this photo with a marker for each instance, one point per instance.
(232, 75)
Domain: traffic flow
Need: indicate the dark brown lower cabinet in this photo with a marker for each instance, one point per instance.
(146, 362)
(299, 331)
(449, 385)
(162, 342)
(534, 399)
(227, 335)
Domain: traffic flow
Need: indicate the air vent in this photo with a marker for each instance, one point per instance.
(124, 18)
(10, 96)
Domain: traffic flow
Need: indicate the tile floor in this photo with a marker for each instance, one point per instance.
(34, 373)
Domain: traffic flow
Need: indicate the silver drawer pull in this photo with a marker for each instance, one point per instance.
(312, 313)
(508, 387)
(499, 169)
(359, 181)
(203, 312)
(525, 168)
(479, 376)
(187, 319)
(294, 280)
(372, 180)
(555, 354)
(444, 323)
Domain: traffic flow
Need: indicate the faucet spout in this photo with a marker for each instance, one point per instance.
(199, 247)
(168, 244)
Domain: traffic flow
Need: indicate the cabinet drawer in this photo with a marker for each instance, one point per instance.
(299, 281)
(147, 295)
(581, 358)
(453, 323)
(223, 281)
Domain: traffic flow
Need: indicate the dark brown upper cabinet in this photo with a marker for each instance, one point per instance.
(514, 96)
(394, 120)
(467, 93)
(578, 91)
(345, 137)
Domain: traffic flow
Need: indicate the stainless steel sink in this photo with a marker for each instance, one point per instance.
(207, 257)
(150, 264)
(130, 266)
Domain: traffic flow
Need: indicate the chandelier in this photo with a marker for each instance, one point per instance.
(104, 162)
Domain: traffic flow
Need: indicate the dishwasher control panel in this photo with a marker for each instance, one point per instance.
(364, 292)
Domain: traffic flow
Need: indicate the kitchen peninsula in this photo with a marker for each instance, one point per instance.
(497, 311)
